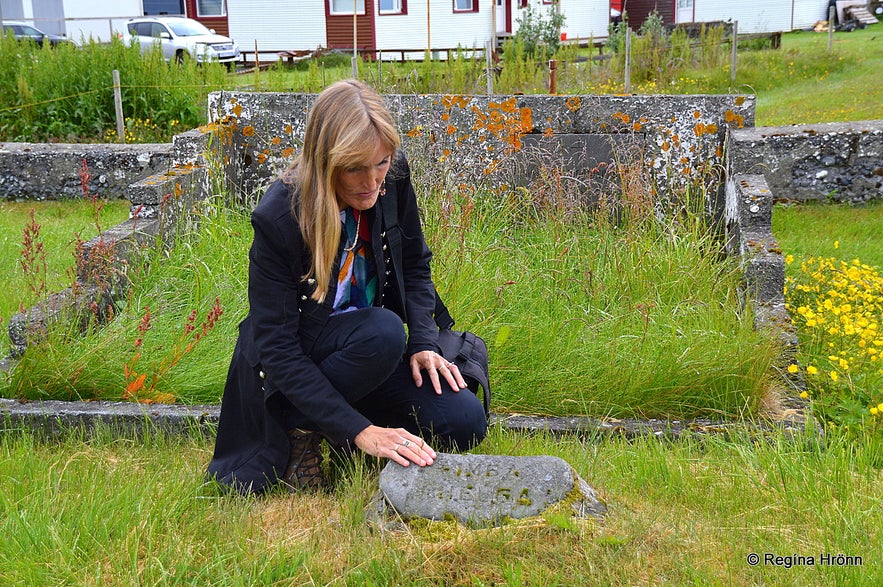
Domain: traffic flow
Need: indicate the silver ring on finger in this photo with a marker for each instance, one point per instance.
(406, 443)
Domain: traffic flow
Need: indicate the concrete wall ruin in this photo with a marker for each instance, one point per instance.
(30, 171)
(497, 140)
(839, 161)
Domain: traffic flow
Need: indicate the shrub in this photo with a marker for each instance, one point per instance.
(540, 35)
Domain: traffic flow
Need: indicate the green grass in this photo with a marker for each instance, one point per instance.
(843, 231)
(589, 320)
(111, 511)
(66, 94)
(208, 264)
(807, 84)
(633, 322)
(59, 223)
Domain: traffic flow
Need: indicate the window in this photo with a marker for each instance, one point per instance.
(346, 6)
(393, 7)
(465, 5)
(211, 8)
(163, 7)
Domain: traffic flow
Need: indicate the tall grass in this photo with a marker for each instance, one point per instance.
(583, 315)
(207, 264)
(66, 93)
(605, 322)
(105, 511)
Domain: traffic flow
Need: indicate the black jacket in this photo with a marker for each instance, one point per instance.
(270, 362)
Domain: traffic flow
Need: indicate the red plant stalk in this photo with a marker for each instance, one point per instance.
(97, 204)
(33, 257)
(137, 387)
(135, 380)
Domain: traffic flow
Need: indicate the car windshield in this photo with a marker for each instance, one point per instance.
(188, 28)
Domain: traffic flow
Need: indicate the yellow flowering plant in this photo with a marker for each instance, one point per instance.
(837, 306)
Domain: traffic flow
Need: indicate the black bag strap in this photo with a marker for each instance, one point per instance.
(443, 318)
(389, 205)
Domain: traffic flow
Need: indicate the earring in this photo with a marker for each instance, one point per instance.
(383, 189)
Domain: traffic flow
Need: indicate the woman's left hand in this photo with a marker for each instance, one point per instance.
(433, 363)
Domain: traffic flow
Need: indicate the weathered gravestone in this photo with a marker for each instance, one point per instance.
(481, 490)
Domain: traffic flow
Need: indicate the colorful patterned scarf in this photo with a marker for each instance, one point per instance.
(357, 278)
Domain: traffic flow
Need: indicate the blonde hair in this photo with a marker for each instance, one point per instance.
(343, 128)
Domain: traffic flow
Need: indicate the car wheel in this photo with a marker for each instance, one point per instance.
(180, 55)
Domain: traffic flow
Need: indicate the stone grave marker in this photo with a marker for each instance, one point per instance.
(481, 490)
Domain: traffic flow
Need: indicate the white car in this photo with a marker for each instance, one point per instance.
(181, 38)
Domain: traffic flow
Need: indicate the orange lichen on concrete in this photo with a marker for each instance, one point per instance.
(731, 117)
(505, 121)
(450, 101)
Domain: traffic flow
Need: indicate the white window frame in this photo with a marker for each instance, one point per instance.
(199, 13)
(346, 7)
(472, 6)
(398, 7)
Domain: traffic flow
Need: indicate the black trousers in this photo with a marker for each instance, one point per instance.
(361, 352)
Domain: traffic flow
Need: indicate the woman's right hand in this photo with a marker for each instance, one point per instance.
(396, 444)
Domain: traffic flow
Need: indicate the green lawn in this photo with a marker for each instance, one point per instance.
(59, 223)
(842, 231)
(116, 512)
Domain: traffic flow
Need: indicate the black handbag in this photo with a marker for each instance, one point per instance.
(467, 350)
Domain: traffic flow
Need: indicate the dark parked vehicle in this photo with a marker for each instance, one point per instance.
(27, 33)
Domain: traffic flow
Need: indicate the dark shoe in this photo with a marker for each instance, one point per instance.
(304, 470)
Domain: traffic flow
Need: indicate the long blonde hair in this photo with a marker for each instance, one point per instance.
(343, 127)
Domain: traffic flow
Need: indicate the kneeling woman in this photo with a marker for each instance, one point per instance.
(323, 351)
